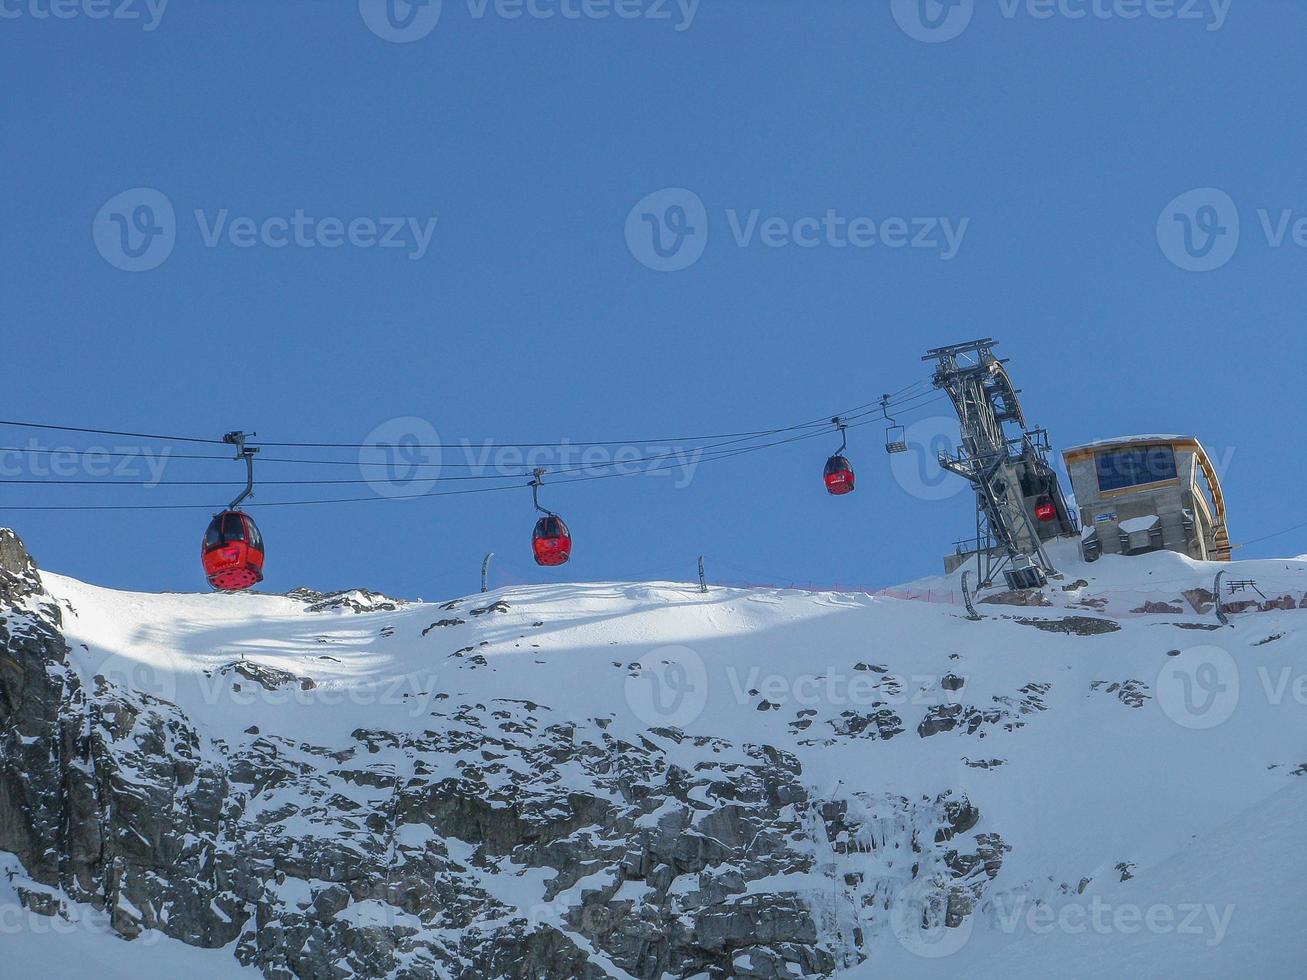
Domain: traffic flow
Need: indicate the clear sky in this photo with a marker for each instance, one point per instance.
(1032, 154)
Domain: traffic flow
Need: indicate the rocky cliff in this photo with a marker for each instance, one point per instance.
(535, 785)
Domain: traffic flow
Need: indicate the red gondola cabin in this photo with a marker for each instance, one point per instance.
(838, 476)
(1044, 509)
(551, 541)
(233, 552)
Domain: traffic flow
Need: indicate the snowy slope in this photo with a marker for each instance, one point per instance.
(83, 944)
(1238, 897)
(1077, 747)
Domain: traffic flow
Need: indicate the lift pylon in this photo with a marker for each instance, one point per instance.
(1006, 463)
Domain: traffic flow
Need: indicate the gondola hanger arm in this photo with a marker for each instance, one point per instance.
(246, 453)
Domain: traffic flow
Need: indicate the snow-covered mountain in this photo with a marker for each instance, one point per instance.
(639, 780)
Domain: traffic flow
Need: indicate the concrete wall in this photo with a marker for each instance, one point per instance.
(1167, 502)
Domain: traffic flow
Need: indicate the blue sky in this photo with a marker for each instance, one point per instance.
(1052, 145)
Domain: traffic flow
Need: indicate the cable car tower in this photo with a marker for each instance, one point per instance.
(1019, 501)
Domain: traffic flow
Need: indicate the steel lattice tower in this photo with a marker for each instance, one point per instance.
(1006, 463)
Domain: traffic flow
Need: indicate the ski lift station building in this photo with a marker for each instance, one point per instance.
(1148, 493)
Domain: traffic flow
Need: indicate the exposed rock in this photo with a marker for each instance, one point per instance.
(1241, 605)
(879, 722)
(1089, 602)
(666, 854)
(326, 861)
(268, 678)
(1006, 712)
(1021, 597)
(1131, 693)
(1079, 625)
(353, 600)
(1159, 607)
(442, 623)
(1280, 602)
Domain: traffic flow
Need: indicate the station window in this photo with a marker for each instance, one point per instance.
(1127, 468)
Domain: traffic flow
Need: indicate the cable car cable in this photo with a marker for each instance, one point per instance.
(726, 454)
(342, 482)
(112, 432)
(155, 437)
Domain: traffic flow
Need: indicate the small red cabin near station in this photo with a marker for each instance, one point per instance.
(1045, 510)
(233, 552)
(551, 541)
